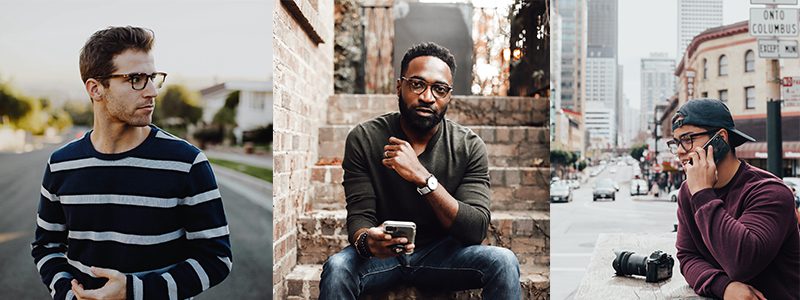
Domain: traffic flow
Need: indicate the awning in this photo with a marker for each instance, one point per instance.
(791, 150)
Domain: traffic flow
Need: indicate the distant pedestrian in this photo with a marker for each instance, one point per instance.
(128, 211)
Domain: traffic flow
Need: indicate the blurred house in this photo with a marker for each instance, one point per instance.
(255, 102)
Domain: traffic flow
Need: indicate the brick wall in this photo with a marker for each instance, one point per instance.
(303, 81)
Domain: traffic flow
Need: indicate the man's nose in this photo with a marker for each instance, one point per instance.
(150, 90)
(427, 95)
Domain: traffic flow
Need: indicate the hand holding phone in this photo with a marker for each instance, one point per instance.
(398, 229)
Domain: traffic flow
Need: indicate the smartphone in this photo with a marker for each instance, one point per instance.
(400, 229)
(721, 148)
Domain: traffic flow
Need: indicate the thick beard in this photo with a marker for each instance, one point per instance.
(419, 123)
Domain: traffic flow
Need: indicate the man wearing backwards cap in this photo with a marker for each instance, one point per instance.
(738, 236)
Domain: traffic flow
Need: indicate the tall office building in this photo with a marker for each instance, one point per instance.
(601, 73)
(657, 85)
(572, 14)
(694, 17)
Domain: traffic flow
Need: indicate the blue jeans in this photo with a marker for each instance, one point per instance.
(445, 265)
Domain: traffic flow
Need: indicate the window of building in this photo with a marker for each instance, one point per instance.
(749, 61)
(723, 65)
(704, 94)
(705, 68)
(723, 95)
(750, 97)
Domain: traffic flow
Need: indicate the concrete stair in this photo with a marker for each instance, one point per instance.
(323, 233)
(513, 188)
(507, 146)
(303, 283)
(346, 109)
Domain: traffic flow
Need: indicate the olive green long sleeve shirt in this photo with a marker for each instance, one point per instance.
(375, 193)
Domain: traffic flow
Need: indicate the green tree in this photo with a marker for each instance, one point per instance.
(80, 112)
(638, 152)
(177, 106)
(11, 105)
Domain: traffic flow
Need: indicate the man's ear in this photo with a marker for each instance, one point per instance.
(95, 89)
(725, 136)
(397, 87)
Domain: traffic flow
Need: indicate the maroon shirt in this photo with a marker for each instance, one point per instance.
(746, 231)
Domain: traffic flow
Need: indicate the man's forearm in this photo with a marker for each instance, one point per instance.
(445, 207)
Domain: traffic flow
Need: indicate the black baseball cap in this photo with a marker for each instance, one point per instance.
(709, 113)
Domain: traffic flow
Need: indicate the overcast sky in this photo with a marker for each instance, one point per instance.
(647, 26)
(197, 41)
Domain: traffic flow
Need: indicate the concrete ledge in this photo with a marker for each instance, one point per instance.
(601, 283)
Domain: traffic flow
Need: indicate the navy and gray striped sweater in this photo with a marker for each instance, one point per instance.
(154, 213)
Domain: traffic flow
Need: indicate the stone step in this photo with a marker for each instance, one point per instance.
(527, 234)
(507, 146)
(349, 109)
(512, 188)
(303, 284)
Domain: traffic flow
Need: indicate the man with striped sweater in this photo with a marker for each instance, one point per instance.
(128, 211)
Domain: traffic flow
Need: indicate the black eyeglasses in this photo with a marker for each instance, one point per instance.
(139, 80)
(686, 141)
(418, 86)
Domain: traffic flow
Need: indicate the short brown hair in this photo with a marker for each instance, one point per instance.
(97, 54)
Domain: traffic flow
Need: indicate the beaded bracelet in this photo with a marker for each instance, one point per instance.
(361, 246)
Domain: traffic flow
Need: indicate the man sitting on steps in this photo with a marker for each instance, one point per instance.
(417, 166)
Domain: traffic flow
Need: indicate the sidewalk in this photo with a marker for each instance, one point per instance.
(254, 189)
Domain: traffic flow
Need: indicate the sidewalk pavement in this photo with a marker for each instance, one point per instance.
(262, 161)
(256, 190)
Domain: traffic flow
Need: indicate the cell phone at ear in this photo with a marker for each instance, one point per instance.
(721, 148)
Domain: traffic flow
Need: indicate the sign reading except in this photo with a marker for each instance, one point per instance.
(766, 22)
(790, 91)
(777, 49)
(774, 2)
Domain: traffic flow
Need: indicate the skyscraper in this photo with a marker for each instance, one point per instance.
(694, 17)
(657, 84)
(601, 73)
(573, 52)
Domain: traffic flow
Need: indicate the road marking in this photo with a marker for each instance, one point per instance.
(9, 236)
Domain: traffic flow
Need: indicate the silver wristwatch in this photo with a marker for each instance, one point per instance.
(430, 185)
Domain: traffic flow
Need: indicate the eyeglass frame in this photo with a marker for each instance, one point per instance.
(691, 137)
(128, 77)
(429, 86)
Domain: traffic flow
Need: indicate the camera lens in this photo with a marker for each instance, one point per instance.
(390, 228)
(628, 263)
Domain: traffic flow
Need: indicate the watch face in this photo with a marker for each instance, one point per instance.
(433, 183)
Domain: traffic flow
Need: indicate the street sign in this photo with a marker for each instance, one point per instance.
(774, 2)
(777, 48)
(790, 91)
(778, 22)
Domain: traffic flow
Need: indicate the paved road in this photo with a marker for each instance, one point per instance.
(576, 225)
(20, 181)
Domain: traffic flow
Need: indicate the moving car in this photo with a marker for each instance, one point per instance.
(638, 187)
(560, 191)
(604, 188)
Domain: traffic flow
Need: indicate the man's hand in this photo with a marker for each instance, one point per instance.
(380, 243)
(401, 157)
(701, 172)
(737, 290)
(114, 289)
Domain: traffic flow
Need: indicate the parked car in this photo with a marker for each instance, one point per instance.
(673, 196)
(605, 188)
(638, 187)
(560, 192)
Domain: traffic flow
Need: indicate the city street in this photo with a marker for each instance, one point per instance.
(20, 181)
(579, 223)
